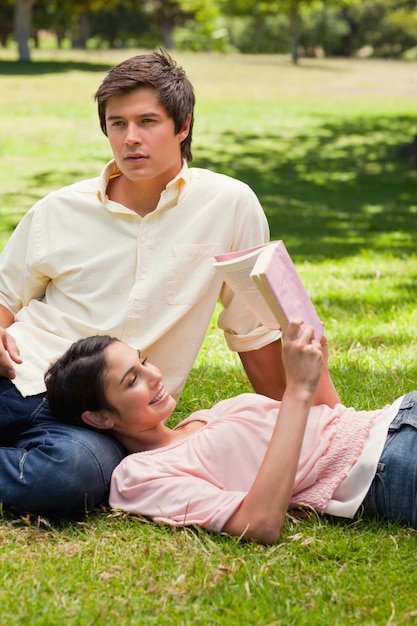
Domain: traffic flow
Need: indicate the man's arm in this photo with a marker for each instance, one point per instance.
(265, 370)
(326, 391)
(6, 317)
(266, 373)
(9, 351)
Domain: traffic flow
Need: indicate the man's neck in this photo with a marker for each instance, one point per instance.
(141, 198)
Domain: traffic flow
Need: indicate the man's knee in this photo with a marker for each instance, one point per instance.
(63, 472)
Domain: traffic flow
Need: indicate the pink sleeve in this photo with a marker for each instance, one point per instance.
(175, 499)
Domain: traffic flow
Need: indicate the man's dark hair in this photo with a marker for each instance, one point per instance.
(76, 381)
(157, 71)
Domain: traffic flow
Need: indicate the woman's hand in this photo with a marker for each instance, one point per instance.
(302, 357)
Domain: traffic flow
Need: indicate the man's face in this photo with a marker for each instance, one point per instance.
(142, 137)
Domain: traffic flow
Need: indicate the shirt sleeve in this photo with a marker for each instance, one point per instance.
(20, 279)
(243, 332)
(177, 500)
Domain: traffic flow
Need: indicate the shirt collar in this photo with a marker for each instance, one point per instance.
(176, 189)
(110, 170)
(172, 194)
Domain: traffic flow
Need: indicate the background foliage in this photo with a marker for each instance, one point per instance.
(382, 28)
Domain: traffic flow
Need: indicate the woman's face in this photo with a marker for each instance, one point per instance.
(136, 389)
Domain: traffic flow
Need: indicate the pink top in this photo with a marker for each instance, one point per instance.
(204, 478)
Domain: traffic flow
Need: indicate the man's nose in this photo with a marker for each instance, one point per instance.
(133, 134)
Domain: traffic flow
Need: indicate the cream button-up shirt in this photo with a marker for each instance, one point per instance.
(79, 264)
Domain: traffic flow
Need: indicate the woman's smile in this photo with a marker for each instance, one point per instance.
(161, 397)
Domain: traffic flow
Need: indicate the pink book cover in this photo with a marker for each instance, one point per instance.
(277, 279)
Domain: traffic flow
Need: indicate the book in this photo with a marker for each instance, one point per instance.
(267, 279)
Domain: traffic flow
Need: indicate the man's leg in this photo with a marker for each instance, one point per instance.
(52, 469)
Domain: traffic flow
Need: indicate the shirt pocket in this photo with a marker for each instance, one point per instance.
(190, 272)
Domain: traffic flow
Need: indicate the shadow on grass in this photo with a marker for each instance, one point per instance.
(341, 189)
(31, 193)
(209, 384)
(330, 194)
(52, 179)
(30, 68)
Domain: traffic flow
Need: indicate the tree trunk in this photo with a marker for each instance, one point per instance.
(22, 27)
(295, 29)
(80, 41)
(84, 29)
(167, 30)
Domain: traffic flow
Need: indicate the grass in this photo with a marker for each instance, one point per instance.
(318, 144)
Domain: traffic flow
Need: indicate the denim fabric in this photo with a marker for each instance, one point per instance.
(46, 467)
(393, 492)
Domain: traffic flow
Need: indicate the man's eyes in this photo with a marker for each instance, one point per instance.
(144, 122)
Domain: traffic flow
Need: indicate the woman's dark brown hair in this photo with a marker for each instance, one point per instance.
(76, 381)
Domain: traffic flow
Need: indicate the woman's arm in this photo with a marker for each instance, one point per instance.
(262, 513)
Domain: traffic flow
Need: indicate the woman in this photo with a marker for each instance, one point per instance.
(239, 466)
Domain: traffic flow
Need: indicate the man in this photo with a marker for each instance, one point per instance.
(129, 254)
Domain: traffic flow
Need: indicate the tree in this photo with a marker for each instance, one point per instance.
(6, 20)
(123, 25)
(82, 10)
(169, 14)
(23, 26)
(265, 8)
(295, 10)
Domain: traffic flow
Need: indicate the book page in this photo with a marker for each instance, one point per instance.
(237, 275)
(239, 255)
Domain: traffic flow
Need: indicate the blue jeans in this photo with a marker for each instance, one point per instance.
(46, 467)
(393, 492)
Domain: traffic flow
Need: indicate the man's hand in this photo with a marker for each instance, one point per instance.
(9, 354)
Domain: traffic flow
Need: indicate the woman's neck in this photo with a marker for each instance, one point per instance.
(157, 437)
(146, 440)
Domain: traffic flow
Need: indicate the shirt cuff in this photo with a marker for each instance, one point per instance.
(257, 338)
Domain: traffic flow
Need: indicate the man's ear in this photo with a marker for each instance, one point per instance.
(183, 134)
(97, 419)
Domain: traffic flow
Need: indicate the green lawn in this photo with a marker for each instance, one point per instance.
(318, 143)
